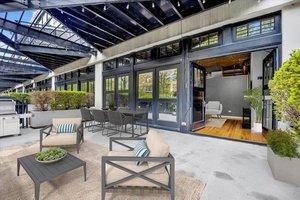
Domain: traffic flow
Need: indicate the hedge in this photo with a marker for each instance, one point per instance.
(19, 96)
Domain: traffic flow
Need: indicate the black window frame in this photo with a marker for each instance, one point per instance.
(159, 50)
(199, 36)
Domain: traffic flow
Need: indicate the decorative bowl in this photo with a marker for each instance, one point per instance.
(45, 156)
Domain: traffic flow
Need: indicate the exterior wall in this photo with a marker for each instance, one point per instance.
(290, 30)
(98, 85)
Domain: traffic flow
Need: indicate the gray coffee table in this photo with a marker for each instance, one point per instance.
(40, 173)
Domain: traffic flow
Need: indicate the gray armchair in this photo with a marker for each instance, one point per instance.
(49, 137)
(214, 108)
(119, 168)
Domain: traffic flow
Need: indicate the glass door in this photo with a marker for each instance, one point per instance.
(166, 96)
(198, 98)
(268, 72)
(145, 91)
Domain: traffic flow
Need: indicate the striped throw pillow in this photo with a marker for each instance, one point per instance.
(141, 150)
(66, 128)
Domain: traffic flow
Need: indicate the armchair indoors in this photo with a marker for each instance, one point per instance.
(214, 108)
(50, 138)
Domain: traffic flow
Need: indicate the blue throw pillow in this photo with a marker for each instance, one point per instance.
(141, 150)
(66, 128)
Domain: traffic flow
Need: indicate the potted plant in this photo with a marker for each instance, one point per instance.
(254, 97)
(283, 157)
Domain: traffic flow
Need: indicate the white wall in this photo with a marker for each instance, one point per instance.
(290, 30)
(256, 72)
(98, 85)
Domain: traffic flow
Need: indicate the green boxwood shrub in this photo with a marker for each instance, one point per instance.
(282, 143)
(19, 96)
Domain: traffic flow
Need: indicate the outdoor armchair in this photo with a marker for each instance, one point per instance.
(50, 138)
(119, 168)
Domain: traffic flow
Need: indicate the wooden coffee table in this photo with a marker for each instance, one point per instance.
(40, 173)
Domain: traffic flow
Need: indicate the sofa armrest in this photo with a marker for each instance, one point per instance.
(46, 130)
(118, 139)
(79, 131)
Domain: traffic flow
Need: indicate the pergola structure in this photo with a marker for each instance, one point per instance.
(60, 32)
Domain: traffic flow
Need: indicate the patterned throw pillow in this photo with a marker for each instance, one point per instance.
(66, 128)
(141, 150)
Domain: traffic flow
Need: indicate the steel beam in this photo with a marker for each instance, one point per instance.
(21, 73)
(15, 78)
(49, 50)
(7, 66)
(4, 50)
(18, 60)
(30, 32)
(152, 14)
(18, 5)
(201, 4)
(175, 9)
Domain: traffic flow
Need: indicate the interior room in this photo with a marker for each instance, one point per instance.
(227, 78)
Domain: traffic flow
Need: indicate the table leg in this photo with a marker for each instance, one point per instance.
(84, 171)
(18, 167)
(147, 123)
(36, 191)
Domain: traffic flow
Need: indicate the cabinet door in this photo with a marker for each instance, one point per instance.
(11, 125)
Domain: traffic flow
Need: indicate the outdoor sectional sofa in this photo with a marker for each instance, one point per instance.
(120, 169)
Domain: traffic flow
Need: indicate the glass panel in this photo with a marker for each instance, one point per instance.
(91, 86)
(205, 40)
(143, 56)
(169, 50)
(146, 104)
(69, 87)
(254, 28)
(110, 99)
(267, 25)
(167, 110)
(123, 99)
(168, 84)
(110, 84)
(213, 38)
(145, 85)
(125, 61)
(75, 87)
(123, 83)
(109, 65)
(83, 86)
(198, 78)
(241, 31)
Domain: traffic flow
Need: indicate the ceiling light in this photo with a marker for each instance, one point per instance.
(127, 7)
(203, 1)
(229, 2)
(82, 10)
(105, 8)
(153, 5)
(178, 3)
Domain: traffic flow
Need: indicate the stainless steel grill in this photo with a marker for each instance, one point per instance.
(9, 120)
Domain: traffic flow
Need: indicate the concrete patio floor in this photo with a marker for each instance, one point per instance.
(232, 170)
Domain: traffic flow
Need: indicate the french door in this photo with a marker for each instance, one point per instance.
(157, 90)
(269, 64)
(198, 99)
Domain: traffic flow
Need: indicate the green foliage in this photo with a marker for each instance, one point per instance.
(19, 96)
(282, 143)
(255, 98)
(64, 100)
(51, 154)
(285, 91)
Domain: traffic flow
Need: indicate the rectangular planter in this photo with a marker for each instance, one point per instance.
(44, 118)
(283, 168)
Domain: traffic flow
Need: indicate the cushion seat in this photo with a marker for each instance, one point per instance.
(63, 139)
(114, 174)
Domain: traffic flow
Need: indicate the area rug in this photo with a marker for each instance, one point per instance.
(71, 186)
(215, 122)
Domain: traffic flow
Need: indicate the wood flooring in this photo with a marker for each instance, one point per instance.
(232, 129)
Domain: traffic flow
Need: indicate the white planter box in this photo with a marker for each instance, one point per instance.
(283, 168)
(44, 118)
(257, 128)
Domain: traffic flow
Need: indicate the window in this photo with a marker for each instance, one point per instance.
(170, 50)
(145, 85)
(110, 91)
(74, 87)
(109, 65)
(123, 91)
(91, 86)
(205, 40)
(143, 56)
(255, 28)
(83, 86)
(125, 61)
(69, 87)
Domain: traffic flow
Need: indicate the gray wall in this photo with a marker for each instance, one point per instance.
(229, 91)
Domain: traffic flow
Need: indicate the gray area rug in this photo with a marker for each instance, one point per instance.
(71, 186)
